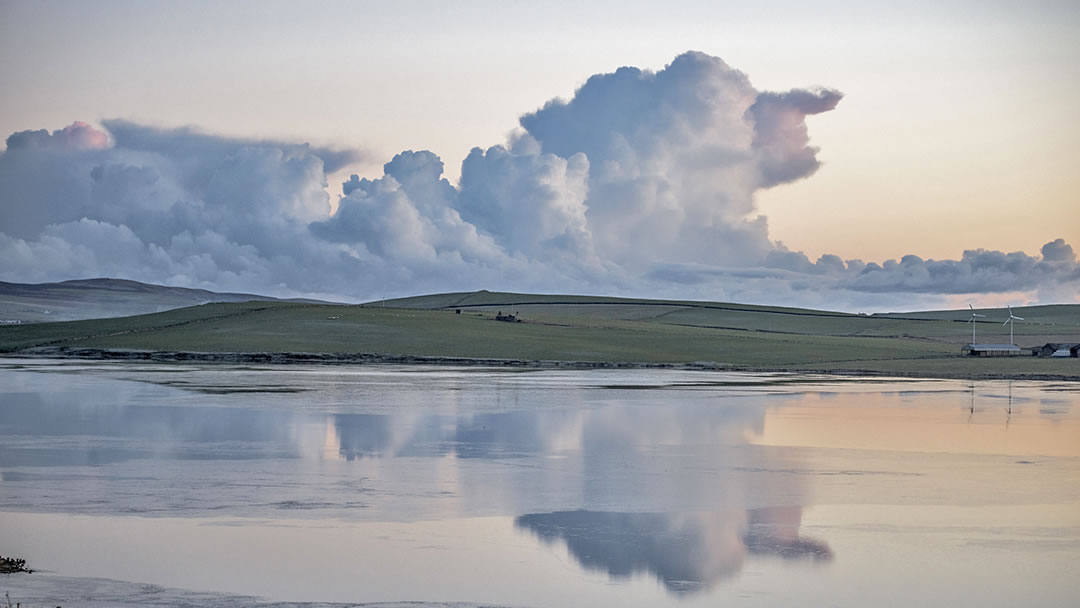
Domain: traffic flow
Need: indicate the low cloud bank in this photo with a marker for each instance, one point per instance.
(641, 184)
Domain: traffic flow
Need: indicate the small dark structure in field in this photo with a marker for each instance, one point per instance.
(991, 350)
(1057, 349)
(511, 318)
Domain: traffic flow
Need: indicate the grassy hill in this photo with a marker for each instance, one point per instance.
(1054, 323)
(580, 329)
(100, 298)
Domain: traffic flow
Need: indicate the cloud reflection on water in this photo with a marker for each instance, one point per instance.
(687, 552)
(481, 479)
(743, 501)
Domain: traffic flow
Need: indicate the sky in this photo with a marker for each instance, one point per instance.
(858, 156)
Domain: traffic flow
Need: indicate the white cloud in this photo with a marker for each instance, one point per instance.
(529, 202)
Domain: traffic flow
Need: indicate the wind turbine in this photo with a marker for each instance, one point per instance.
(972, 321)
(1010, 323)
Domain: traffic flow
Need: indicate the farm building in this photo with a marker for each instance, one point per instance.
(991, 350)
(1056, 349)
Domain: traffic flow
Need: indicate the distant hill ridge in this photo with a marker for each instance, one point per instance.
(1067, 314)
(489, 299)
(103, 298)
(109, 298)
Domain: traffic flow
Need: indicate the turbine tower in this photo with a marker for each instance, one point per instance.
(1010, 323)
(972, 321)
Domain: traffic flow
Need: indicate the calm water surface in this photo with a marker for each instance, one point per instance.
(136, 484)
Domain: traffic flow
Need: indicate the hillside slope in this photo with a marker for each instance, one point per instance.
(101, 298)
(1051, 323)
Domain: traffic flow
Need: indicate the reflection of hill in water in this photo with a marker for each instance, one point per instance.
(687, 552)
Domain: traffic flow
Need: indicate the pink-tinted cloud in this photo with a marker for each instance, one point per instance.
(76, 136)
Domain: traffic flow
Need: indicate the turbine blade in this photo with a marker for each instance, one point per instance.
(971, 307)
(975, 315)
(1007, 322)
(1019, 318)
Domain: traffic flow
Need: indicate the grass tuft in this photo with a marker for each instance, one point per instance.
(12, 565)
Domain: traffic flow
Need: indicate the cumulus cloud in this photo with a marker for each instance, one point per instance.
(673, 160)
(780, 137)
(643, 183)
(406, 215)
(531, 203)
(195, 150)
(977, 270)
(1058, 251)
(76, 136)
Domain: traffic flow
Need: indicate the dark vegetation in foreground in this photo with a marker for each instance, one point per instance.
(575, 331)
(12, 565)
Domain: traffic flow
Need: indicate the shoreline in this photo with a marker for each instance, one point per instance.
(319, 358)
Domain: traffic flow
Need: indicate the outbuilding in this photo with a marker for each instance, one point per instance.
(1058, 349)
(991, 350)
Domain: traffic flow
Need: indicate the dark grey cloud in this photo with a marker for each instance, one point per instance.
(978, 270)
(791, 260)
(643, 183)
(831, 282)
(855, 284)
(1058, 251)
(43, 177)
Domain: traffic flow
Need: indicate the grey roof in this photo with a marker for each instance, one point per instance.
(992, 346)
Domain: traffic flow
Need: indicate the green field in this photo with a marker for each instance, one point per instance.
(580, 328)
